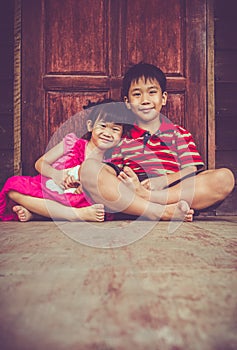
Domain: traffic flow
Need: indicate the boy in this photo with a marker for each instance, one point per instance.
(161, 155)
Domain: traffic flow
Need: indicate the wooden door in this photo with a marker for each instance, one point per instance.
(78, 50)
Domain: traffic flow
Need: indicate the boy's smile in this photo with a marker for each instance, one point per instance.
(146, 99)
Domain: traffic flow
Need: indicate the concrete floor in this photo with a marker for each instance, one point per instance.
(83, 286)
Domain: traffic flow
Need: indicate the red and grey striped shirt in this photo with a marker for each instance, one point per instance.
(169, 150)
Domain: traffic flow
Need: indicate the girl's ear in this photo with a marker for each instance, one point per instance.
(164, 98)
(89, 125)
(127, 103)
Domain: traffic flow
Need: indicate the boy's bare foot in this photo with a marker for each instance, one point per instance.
(178, 212)
(189, 216)
(130, 179)
(23, 214)
(94, 212)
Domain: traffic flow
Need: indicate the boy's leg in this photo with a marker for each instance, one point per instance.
(201, 191)
(100, 181)
(50, 209)
(211, 187)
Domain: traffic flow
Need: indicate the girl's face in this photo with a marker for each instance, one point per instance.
(104, 134)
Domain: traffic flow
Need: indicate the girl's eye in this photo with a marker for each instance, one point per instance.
(102, 125)
(152, 92)
(116, 129)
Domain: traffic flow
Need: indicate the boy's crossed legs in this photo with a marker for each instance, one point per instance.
(106, 188)
(200, 191)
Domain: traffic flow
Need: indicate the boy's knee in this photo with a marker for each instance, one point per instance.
(88, 165)
(225, 180)
(88, 170)
(92, 170)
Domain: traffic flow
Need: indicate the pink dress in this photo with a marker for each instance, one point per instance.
(74, 154)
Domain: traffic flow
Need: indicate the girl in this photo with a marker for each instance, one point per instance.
(56, 192)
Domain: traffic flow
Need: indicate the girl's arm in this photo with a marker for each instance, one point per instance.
(44, 167)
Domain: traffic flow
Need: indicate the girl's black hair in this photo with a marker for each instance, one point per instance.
(142, 70)
(107, 110)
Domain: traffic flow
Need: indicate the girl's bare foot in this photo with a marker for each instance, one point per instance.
(130, 179)
(23, 214)
(94, 212)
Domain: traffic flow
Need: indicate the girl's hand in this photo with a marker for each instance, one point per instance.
(70, 182)
(79, 189)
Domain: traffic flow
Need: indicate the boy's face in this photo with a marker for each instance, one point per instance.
(146, 99)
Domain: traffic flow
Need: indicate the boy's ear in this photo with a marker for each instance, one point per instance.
(164, 98)
(127, 103)
(89, 125)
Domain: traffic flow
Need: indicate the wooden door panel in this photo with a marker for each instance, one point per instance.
(175, 108)
(76, 35)
(154, 35)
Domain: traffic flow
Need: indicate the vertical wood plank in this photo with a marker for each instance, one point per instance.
(196, 61)
(210, 86)
(33, 99)
(17, 88)
(6, 89)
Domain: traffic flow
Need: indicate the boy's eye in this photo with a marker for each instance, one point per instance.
(153, 92)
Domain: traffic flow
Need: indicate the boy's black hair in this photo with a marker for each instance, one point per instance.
(143, 70)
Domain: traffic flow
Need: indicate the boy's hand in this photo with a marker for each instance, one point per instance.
(160, 182)
(155, 183)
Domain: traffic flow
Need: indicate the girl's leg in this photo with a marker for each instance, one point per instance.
(55, 210)
(100, 181)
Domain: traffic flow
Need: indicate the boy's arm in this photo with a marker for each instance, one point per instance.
(159, 183)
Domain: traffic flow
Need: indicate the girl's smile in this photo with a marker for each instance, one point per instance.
(105, 135)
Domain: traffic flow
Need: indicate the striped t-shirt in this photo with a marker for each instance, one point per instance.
(169, 150)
